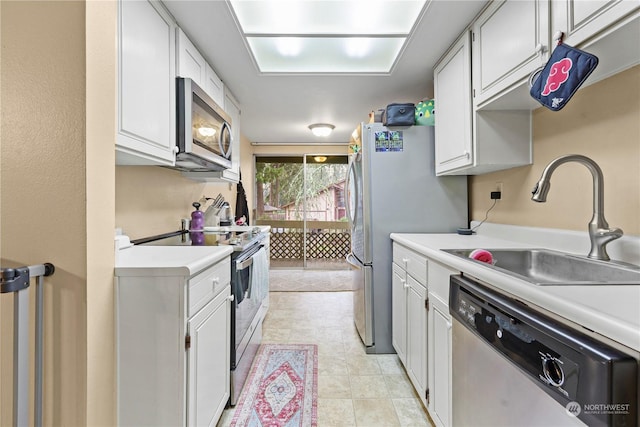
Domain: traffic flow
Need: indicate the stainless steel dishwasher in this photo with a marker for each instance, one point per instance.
(515, 366)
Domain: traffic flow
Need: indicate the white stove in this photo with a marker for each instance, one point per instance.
(241, 238)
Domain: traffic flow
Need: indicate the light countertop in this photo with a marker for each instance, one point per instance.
(168, 260)
(610, 311)
(238, 228)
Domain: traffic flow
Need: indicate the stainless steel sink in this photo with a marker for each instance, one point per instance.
(547, 267)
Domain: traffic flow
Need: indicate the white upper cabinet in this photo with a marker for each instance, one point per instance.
(510, 41)
(580, 20)
(608, 29)
(452, 88)
(514, 38)
(191, 64)
(468, 141)
(481, 84)
(214, 87)
(146, 85)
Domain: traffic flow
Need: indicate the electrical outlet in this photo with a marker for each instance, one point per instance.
(499, 189)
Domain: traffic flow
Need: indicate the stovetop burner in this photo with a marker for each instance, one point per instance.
(240, 238)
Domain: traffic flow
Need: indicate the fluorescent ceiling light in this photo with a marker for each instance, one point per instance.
(326, 36)
(324, 55)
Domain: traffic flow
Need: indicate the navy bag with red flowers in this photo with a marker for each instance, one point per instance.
(561, 77)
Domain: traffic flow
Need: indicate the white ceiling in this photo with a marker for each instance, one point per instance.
(279, 108)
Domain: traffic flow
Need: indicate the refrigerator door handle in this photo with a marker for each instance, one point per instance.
(352, 219)
(353, 262)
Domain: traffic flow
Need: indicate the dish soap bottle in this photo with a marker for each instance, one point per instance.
(197, 217)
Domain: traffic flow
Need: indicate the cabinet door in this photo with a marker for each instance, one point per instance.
(146, 85)
(510, 41)
(209, 365)
(452, 87)
(580, 20)
(399, 288)
(440, 400)
(417, 336)
(190, 63)
(214, 87)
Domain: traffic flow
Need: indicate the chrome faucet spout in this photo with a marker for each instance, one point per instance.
(599, 231)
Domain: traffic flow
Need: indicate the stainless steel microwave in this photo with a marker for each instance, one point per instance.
(203, 130)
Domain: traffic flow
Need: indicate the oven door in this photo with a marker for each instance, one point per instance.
(247, 299)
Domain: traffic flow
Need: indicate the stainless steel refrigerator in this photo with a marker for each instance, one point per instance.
(392, 188)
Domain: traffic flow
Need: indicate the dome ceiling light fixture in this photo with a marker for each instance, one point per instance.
(320, 159)
(321, 129)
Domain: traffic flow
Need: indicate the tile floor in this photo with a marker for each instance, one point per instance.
(310, 280)
(354, 389)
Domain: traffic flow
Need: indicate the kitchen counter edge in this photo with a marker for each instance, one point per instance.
(573, 303)
(168, 260)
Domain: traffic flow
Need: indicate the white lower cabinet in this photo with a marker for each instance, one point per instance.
(399, 312)
(173, 346)
(209, 382)
(409, 315)
(439, 344)
(440, 358)
(417, 336)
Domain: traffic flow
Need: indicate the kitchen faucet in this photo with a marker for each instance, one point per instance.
(599, 232)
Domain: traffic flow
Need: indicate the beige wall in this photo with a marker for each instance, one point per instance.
(602, 121)
(151, 200)
(167, 195)
(100, 202)
(57, 192)
(57, 196)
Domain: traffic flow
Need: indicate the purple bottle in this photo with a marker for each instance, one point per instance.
(197, 217)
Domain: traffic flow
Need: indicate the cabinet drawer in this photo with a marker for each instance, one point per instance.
(203, 287)
(413, 263)
(439, 275)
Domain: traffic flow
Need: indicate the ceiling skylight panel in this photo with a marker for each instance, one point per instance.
(326, 36)
(331, 17)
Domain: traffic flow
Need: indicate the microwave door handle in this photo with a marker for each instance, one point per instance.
(223, 128)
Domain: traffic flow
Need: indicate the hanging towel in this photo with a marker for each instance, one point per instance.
(242, 208)
(241, 284)
(260, 275)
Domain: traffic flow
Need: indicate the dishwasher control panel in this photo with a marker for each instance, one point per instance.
(567, 364)
(520, 343)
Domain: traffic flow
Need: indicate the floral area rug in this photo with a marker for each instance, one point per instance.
(282, 388)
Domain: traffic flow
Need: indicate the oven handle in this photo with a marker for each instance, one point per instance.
(241, 265)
